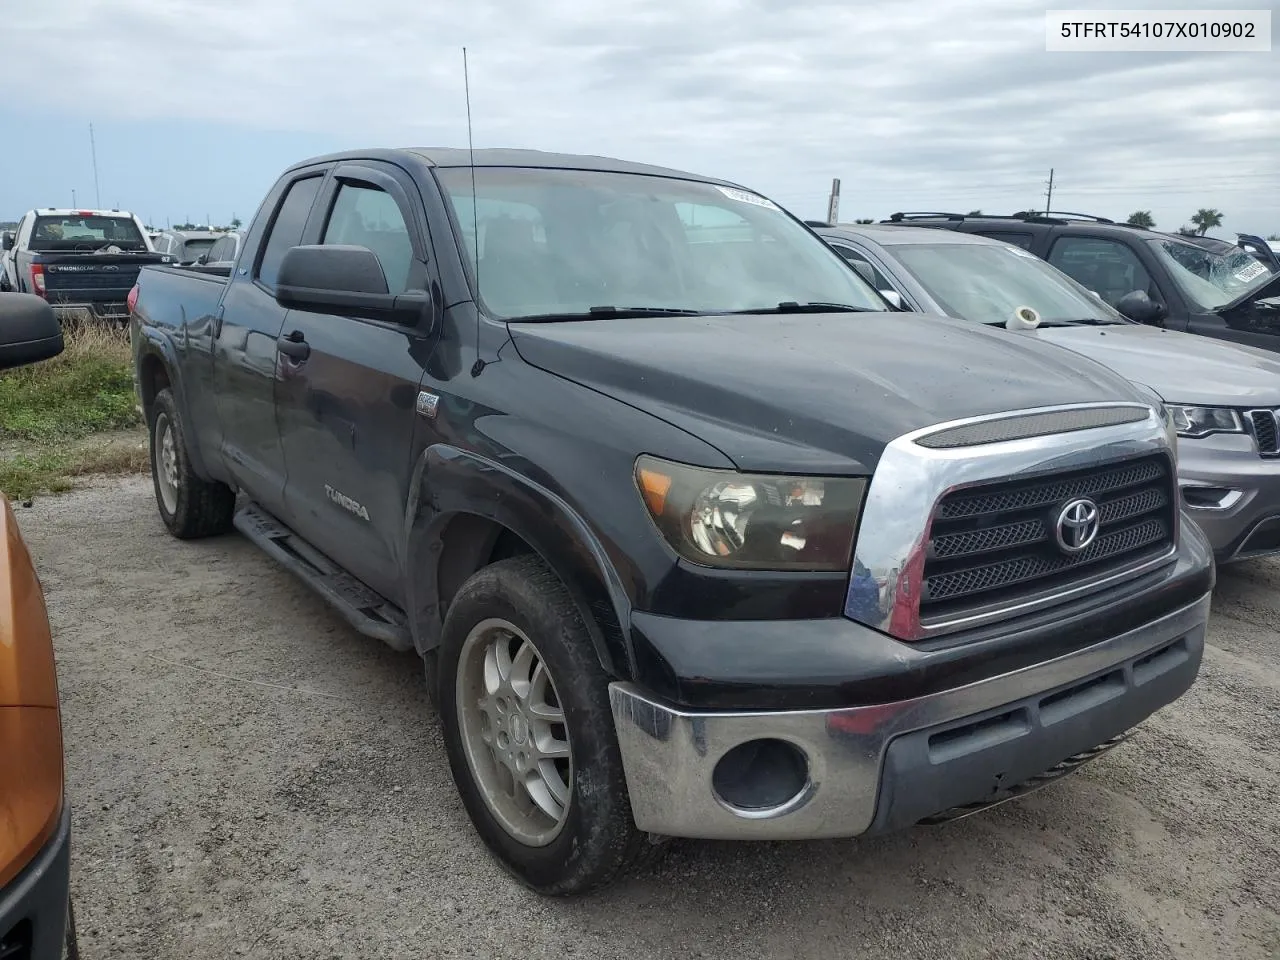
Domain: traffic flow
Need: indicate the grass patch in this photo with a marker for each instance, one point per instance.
(54, 414)
(52, 471)
(86, 389)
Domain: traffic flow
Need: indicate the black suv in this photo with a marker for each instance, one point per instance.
(1150, 277)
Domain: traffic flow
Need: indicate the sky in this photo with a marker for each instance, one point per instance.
(924, 105)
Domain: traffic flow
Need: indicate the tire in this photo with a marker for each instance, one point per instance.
(189, 505)
(595, 840)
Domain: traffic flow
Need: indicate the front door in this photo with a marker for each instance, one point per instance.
(244, 365)
(347, 409)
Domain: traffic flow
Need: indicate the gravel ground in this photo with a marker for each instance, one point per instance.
(249, 777)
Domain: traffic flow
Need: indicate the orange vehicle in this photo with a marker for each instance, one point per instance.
(36, 919)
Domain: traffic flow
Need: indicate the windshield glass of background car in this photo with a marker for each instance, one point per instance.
(1210, 279)
(563, 241)
(193, 248)
(76, 233)
(987, 283)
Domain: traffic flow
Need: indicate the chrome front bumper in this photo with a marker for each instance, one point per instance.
(885, 766)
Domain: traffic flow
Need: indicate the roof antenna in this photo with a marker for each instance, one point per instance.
(475, 217)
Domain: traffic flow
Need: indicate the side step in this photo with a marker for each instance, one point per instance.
(365, 610)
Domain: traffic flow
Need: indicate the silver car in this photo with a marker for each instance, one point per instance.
(1224, 397)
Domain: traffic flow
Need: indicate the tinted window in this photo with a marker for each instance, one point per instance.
(1022, 240)
(1109, 269)
(286, 231)
(368, 217)
(192, 249)
(563, 241)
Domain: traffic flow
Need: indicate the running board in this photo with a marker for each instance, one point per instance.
(369, 613)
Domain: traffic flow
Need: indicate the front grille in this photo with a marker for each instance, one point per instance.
(998, 542)
(1263, 425)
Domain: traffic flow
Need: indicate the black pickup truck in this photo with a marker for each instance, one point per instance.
(80, 261)
(696, 537)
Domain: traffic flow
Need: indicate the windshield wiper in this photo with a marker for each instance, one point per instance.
(605, 312)
(791, 306)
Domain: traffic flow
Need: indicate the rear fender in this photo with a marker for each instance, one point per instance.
(152, 345)
(449, 483)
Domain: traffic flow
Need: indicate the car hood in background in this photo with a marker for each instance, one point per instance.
(1181, 367)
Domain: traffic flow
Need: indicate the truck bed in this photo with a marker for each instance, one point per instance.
(170, 295)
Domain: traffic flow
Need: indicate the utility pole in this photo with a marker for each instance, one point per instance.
(73, 198)
(1049, 201)
(93, 151)
(833, 202)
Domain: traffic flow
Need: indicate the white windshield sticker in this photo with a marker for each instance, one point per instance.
(1254, 269)
(745, 196)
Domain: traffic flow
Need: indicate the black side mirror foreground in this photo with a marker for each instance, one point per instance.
(29, 330)
(7, 240)
(1140, 308)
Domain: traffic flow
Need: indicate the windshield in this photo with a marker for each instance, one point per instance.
(555, 242)
(1210, 279)
(986, 283)
(193, 248)
(75, 232)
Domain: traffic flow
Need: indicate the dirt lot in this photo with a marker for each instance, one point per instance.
(251, 778)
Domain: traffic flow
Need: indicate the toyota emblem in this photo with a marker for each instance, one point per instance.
(1077, 525)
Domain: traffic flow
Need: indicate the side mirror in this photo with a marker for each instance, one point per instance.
(893, 297)
(202, 259)
(1140, 308)
(29, 330)
(8, 241)
(346, 280)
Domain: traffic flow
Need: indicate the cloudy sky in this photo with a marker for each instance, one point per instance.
(926, 105)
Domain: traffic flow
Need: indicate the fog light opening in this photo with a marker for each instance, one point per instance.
(1210, 498)
(762, 778)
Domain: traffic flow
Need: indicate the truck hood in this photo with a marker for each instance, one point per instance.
(1181, 367)
(812, 392)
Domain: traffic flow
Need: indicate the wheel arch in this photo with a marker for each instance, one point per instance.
(156, 368)
(466, 512)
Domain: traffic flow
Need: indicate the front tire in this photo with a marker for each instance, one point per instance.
(190, 506)
(524, 706)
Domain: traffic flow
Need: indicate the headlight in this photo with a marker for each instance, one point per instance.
(721, 518)
(1194, 422)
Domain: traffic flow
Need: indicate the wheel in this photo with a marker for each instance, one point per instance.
(190, 506)
(524, 706)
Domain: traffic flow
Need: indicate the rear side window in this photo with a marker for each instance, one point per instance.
(370, 218)
(286, 230)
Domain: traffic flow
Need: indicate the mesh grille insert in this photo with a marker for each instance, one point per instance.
(998, 542)
(1032, 425)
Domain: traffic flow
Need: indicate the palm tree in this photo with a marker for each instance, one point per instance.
(865, 221)
(1141, 218)
(974, 213)
(1206, 218)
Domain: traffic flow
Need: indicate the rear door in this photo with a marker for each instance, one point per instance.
(244, 342)
(347, 410)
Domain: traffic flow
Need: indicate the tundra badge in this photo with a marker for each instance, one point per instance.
(342, 500)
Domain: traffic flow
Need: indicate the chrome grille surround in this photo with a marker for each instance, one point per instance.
(910, 479)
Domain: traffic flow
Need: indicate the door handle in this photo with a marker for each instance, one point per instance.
(294, 346)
